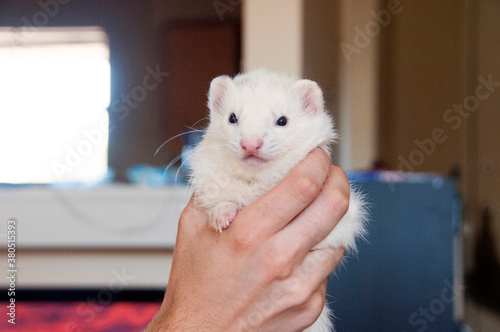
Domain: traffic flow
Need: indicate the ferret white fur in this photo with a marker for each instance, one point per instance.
(247, 149)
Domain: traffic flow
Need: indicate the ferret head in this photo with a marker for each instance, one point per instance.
(266, 121)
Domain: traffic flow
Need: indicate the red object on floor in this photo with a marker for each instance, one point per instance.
(87, 316)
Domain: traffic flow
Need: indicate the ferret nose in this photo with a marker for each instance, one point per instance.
(251, 145)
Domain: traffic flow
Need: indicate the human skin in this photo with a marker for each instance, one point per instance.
(261, 273)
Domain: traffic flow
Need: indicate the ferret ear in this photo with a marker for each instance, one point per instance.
(310, 95)
(219, 89)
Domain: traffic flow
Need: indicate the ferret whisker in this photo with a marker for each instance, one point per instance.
(178, 170)
(190, 131)
(202, 119)
(176, 159)
(174, 137)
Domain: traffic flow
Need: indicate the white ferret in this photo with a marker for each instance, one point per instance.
(262, 124)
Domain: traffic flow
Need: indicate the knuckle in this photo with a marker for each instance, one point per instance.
(300, 295)
(316, 303)
(243, 242)
(299, 291)
(278, 265)
(314, 306)
(306, 187)
(339, 201)
(310, 312)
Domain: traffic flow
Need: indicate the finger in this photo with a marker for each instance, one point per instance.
(308, 276)
(295, 192)
(323, 288)
(317, 302)
(318, 265)
(318, 220)
(303, 315)
(193, 218)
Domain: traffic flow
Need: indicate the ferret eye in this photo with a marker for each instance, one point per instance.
(232, 118)
(282, 121)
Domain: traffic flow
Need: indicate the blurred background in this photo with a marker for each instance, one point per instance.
(94, 93)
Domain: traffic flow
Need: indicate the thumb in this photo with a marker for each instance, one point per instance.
(193, 219)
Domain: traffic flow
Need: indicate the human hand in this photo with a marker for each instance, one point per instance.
(260, 273)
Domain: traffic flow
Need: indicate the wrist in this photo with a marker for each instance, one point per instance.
(175, 319)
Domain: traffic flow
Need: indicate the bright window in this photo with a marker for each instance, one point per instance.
(54, 92)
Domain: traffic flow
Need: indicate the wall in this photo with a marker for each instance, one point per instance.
(482, 173)
(272, 35)
(423, 74)
(358, 63)
(320, 59)
(485, 163)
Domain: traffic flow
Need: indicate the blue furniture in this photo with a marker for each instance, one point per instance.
(401, 279)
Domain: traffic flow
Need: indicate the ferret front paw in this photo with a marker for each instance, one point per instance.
(223, 214)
